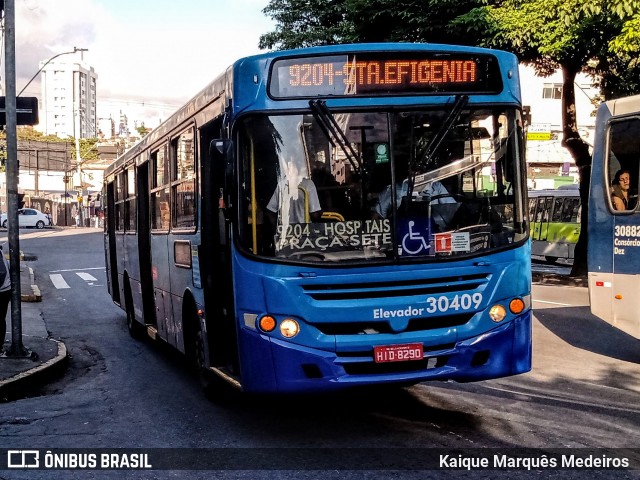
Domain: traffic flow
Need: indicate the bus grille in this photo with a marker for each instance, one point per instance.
(401, 288)
(415, 325)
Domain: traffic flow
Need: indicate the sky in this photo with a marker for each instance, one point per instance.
(150, 56)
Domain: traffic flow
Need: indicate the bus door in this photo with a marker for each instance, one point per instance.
(159, 251)
(144, 245)
(216, 256)
(112, 256)
(569, 228)
(540, 224)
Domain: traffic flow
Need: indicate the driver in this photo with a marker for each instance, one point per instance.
(431, 190)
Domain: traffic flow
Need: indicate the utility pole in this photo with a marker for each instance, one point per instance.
(77, 131)
(17, 349)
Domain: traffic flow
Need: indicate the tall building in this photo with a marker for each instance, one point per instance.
(68, 101)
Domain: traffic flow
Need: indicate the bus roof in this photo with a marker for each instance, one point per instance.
(221, 85)
(622, 106)
(381, 46)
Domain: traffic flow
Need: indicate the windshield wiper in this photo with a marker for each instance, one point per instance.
(332, 130)
(424, 157)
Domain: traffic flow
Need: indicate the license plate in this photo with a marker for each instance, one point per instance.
(397, 353)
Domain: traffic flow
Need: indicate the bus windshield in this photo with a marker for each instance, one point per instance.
(347, 186)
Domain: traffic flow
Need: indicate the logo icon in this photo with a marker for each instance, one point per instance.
(23, 459)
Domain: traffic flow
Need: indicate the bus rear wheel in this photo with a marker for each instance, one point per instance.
(136, 330)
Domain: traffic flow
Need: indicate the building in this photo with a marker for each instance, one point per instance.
(549, 164)
(68, 100)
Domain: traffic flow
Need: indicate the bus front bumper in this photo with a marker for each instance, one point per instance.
(503, 351)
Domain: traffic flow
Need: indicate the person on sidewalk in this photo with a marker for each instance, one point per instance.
(5, 295)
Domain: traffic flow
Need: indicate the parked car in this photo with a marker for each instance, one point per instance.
(28, 217)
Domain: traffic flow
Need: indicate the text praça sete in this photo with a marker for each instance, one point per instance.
(334, 235)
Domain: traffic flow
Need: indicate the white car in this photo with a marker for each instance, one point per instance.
(28, 217)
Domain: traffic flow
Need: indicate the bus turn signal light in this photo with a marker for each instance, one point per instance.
(267, 323)
(516, 305)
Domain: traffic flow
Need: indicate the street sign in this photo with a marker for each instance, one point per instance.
(26, 111)
(539, 131)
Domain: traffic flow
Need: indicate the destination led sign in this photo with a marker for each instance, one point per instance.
(383, 74)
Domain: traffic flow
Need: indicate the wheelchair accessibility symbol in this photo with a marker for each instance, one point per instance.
(414, 235)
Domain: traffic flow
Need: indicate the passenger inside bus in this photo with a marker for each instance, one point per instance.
(295, 198)
(620, 191)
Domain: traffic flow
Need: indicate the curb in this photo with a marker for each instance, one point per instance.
(553, 279)
(32, 293)
(36, 376)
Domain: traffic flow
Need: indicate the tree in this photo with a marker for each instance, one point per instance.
(142, 130)
(599, 37)
(88, 147)
(305, 23)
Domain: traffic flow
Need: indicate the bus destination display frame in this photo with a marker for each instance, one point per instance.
(384, 73)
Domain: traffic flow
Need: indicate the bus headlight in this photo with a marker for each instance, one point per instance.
(289, 328)
(497, 313)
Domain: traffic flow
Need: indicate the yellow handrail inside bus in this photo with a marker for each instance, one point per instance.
(307, 216)
(332, 216)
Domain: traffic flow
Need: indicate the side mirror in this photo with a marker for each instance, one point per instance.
(218, 148)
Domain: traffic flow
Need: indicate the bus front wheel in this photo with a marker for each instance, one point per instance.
(214, 388)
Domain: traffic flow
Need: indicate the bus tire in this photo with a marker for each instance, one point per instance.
(136, 330)
(214, 388)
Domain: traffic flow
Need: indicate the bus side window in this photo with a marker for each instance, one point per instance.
(571, 209)
(557, 210)
(540, 212)
(622, 161)
(532, 209)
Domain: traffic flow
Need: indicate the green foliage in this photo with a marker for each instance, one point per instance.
(142, 130)
(304, 23)
(599, 37)
(88, 146)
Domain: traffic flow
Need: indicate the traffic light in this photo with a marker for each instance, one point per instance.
(21, 200)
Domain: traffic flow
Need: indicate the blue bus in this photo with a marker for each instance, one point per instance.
(614, 216)
(332, 217)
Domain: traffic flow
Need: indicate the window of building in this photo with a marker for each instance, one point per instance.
(552, 91)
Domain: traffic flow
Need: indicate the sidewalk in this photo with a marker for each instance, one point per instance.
(47, 357)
